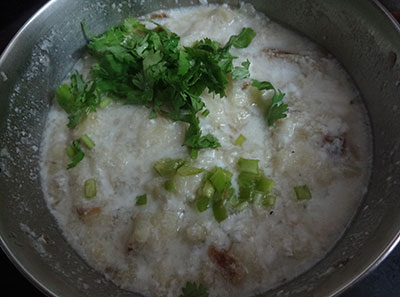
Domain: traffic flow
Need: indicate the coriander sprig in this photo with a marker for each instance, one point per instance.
(141, 66)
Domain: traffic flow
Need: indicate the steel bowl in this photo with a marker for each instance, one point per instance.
(361, 34)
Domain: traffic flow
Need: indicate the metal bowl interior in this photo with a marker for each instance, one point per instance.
(359, 33)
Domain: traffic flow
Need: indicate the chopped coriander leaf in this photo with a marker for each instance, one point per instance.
(302, 192)
(205, 113)
(277, 109)
(153, 115)
(262, 85)
(90, 188)
(240, 140)
(87, 141)
(194, 139)
(141, 66)
(241, 72)
(141, 200)
(77, 156)
(77, 99)
(191, 289)
(242, 40)
(105, 102)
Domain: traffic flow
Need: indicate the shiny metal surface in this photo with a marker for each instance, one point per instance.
(359, 33)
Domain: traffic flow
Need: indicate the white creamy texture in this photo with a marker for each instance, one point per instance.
(155, 249)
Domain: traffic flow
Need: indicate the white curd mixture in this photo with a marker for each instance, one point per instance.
(156, 248)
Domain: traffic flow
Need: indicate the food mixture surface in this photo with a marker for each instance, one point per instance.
(146, 229)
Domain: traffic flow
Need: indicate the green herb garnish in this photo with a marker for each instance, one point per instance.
(105, 102)
(191, 289)
(169, 185)
(277, 110)
(240, 140)
(186, 170)
(241, 72)
(78, 99)
(254, 187)
(221, 179)
(75, 153)
(142, 66)
(215, 191)
(90, 188)
(219, 210)
(248, 165)
(168, 167)
(141, 200)
(302, 192)
(87, 141)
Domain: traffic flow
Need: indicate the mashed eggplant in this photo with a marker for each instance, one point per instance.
(156, 248)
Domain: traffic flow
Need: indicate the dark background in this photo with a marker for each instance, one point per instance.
(382, 282)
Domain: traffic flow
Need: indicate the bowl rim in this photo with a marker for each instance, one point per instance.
(357, 277)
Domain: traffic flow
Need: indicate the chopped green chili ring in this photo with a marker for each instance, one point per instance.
(105, 102)
(265, 184)
(269, 200)
(208, 189)
(169, 185)
(257, 197)
(264, 199)
(221, 179)
(70, 151)
(241, 206)
(90, 188)
(168, 167)
(141, 200)
(87, 141)
(219, 211)
(248, 165)
(302, 192)
(228, 194)
(78, 156)
(247, 180)
(186, 170)
(246, 194)
(240, 140)
(247, 185)
(203, 203)
(205, 113)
